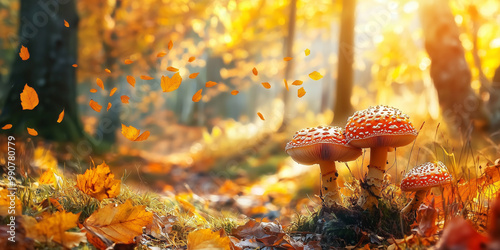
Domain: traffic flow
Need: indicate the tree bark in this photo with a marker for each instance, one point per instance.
(52, 48)
(345, 73)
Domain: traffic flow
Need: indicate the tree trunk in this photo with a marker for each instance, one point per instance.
(52, 47)
(345, 73)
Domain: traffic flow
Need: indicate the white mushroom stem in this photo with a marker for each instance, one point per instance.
(329, 187)
(415, 202)
(374, 177)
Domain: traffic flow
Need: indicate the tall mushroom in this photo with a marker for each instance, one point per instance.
(323, 145)
(380, 128)
(422, 178)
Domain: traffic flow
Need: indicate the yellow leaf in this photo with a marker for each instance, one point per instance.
(261, 116)
(286, 59)
(297, 82)
(66, 24)
(197, 96)
(254, 71)
(128, 61)
(315, 75)
(24, 53)
(112, 92)
(32, 131)
(29, 98)
(144, 77)
(98, 182)
(234, 92)
(61, 116)
(53, 228)
(194, 75)
(7, 126)
(301, 92)
(170, 84)
(191, 59)
(99, 83)
(124, 98)
(307, 52)
(170, 45)
(48, 177)
(161, 54)
(132, 133)
(95, 106)
(119, 224)
(210, 84)
(109, 106)
(173, 69)
(131, 80)
(5, 200)
(204, 239)
(266, 85)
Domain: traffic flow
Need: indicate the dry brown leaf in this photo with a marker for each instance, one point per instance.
(133, 133)
(206, 239)
(99, 182)
(7, 126)
(32, 131)
(170, 84)
(131, 80)
(95, 106)
(29, 98)
(426, 219)
(24, 53)
(53, 228)
(197, 96)
(124, 98)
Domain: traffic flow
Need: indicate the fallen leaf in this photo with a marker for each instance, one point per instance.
(93, 90)
(75, 65)
(286, 84)
(170, 84)
(107, 71)
(7, 126)
(170, 45)
(461, 234)
(112, 92)
(32, 131)
(286, 59)
(124, 98)
(132, 133)
(210, 84)
(191, 59)
(307, 52)
(128, 61)
(5, 199)
(61, 117)
(109, 106)
(161, 54)
(48, 177)
(426, 219)
(98, 182)
(24, 53)
(172, 69)
(99, 83)
(131, 80)
(297, 82)
(315, 75)
(254, 71)
(194, 75)
(301, 92)
(120, 224)
(206, 239)
(53, 228)
(144, 77)
(29, 98)
(261, 116)
(197, 96)
(51, 202)
(66, 24)
(95, 106)
(266, 85)
(234, 92)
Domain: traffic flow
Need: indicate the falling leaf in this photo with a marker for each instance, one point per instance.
(95, 106)
(131, 80)
(206, 239)
(66, 24)
(191, 59)
(261, 116)
(315, 75)
(132, 133)
(54, 228)
(307, 52)
(234, 92)
(29, 98)
(32, 131)
(109, 106)
(99, 83)
(266, 85)
(161, 54)
(112, 92)
(173, 69)
(119, 224)
(286, 84)
(210, 84)
(7, 126)
(98, 182)
(254, 71)
(61, 117)
(128, 61)
(24, 54)
(286, 59)
(194, 75)
(301, 92)
(197, 96)
(93, 90)
(297, 82)
(144, 77)
(75, 65)
(124, 98)
(170, 45)
(107, 71)
(170, 84)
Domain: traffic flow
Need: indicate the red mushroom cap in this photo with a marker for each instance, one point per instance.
(424, 176)
(324, 143)
(380, 126)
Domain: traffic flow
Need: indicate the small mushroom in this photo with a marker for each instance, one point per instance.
(323, 145)
(380, 128)
(422, 178)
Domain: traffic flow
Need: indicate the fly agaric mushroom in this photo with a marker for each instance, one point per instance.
(422, 178)
(380, 128)
(323, 145)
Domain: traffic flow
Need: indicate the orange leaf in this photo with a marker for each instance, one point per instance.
(234, 92)
(29, 98)
(133, 134)
(261, 116)
(119, 224)
(301, 92)
(266, 85)
(206, 239)
(99, 182)
(170, 45)
(99, 83)
(307, 52)
(194, 75)
(254, 71)
(75, 65)
(286, 84)
(197, 96)
(7, 126)
(173, 69)
(24, 53)
(66, 24)
(286, 59)
(5, 203)
(143, 77)
(315, 75)
(144, 136)
(93, 90)
(109, 106)
(170, 84)
(210, 84)
(53, 228)
(128, 61)
(124, 98)
(48, 177)
(191, 59)
(107, 71)
(131, 80)
(32, 131)
(61, 117)
(112, 92)
(95, 106)
(161, 54)
(297, 82)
